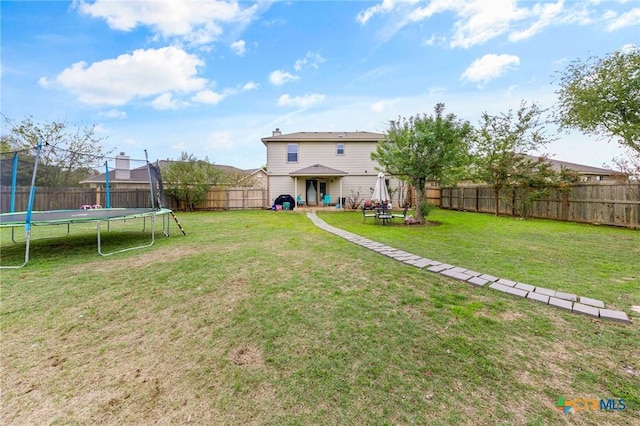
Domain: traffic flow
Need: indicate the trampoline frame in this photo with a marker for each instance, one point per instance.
(67, 217)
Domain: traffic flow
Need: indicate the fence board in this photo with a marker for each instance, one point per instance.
(73, 198)
(603, 203)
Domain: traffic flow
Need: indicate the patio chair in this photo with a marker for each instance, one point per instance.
(326, 200)
(299, 201)
(402, 215)
(368, 213)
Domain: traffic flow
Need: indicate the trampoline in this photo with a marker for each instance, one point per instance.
(27, 219)
(56, 217)
(68, 217)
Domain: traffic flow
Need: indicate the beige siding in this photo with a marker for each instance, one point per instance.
(356, 163)
(355, 160)
(279, 185)
(361, 185)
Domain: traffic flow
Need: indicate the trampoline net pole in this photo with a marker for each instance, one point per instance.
(107, 184)
(14, 179)
(153, 201)
(32, 192)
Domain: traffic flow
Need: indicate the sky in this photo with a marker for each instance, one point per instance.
(211, 78)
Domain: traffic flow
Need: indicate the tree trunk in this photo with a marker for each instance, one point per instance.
(420, 197)
(496, 199)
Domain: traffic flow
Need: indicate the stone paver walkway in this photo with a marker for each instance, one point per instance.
(571, 302)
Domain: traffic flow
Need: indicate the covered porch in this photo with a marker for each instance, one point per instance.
(315, 182)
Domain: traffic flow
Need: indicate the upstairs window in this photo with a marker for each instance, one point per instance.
(292, 152)
(340, 149)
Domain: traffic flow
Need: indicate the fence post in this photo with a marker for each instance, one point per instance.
(477, 199)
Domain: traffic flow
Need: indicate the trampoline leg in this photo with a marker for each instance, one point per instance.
(43, 238)
(26, 252)
(153, 239)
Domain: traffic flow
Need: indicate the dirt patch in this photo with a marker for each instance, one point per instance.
(425, 223)
(510, 315)
(630, 370)
(143, 258)
(247, 356)
(502, 316)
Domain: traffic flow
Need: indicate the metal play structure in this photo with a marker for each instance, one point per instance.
(29, 218)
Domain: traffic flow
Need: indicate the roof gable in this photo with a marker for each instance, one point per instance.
(557, 165)
(318, 170)
(358, 136)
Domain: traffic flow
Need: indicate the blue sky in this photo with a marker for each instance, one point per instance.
(213, 77)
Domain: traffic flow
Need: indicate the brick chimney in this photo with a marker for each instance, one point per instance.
(123, 167)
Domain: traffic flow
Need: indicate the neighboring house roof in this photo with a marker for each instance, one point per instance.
(324, 137)
(141, 175)
(138, 175)
(318, 170)
(582, 169)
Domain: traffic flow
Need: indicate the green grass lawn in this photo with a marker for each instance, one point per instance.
(259, 317)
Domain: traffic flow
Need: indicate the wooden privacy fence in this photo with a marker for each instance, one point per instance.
(598, 203)
(72, 198)
(432, 194)
(234, 199)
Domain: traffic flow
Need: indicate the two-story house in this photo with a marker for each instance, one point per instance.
(315, 164)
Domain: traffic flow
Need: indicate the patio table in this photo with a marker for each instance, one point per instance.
(383, 215)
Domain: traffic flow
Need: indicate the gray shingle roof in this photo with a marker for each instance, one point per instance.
(580, 168)
(141, 175)
(318, 170)
(326, 137)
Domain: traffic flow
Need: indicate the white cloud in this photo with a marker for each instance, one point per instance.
(300, 101)
(481, 21)
(114, 113)
(385, 7)
(220, 141)
(238, 47)
(379, 106)
(101, 129)
(478, 21)
(165, 102)
(489, 67)
(196, 21)
(429, 41)
(436, 6)
(627, 19)
(252, 85)
(547, 14)
(140, 74)
(209, 97)
(278, 77)
(312, 60)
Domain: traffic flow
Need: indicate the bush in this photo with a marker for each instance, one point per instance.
(426, 208)
(354, 200)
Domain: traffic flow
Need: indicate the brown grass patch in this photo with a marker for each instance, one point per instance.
(247, 356)
(141, 259)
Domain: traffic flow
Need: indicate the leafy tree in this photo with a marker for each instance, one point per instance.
(601, 96)
(237, 178)
(189, 179)
(424, 149)
(69, 154)
(629, 164)
(499, 144)
(534, 180)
